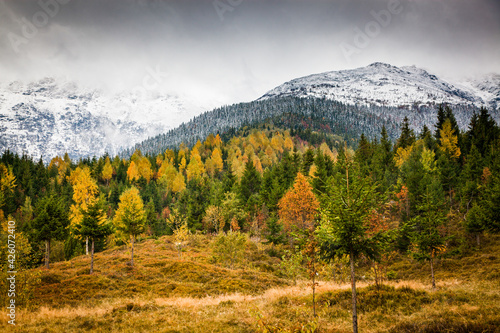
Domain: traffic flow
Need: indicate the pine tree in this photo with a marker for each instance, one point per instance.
(250, 182)
(51, 222)
(94, 226)
(348, 202)
(407, 137)
(307, 161)
(363, 155)
(426, 235)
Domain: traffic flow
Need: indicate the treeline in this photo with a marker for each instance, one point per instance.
(243, 183)
(347, 121)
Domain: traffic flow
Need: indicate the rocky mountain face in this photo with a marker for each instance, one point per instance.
(50, 117)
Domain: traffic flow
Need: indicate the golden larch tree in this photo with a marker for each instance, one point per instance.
(107, 171)
(85, 193)
(133, 172)
(449, 141)
(130, 217)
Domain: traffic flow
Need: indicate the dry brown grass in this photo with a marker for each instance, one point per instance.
(121, 299)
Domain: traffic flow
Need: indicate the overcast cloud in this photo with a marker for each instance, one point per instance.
(244, 48)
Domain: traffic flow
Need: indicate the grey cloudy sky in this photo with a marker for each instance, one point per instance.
(236, 50)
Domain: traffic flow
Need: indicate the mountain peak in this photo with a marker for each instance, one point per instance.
(383, 84)
(381, 64)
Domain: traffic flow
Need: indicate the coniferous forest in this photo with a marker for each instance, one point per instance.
(290, 204)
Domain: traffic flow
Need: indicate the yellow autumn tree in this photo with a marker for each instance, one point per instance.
(217, 159)
(107, 171)
(144, 168)
(170, 179)
(299, 205)
(178, 184)
(85, 193)
(133, 172)
(402, 155)
(214, 164)
(130, 217)
(182, 165)
(217, 141)
(325, 149)
(169, 155)
(449, 141)
(277, 143)
(288, 143)
(61, 165)
(195, 168)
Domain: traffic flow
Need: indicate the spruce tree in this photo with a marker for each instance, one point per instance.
(349, 200)
(51, 222)
(94, 226)
(407, 137)
(250, 182)
(426, 235)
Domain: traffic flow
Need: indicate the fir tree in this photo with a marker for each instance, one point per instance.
(407, 137)
(94, 226)
(51, 222)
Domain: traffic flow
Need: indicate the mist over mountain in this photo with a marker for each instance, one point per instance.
(52, 116)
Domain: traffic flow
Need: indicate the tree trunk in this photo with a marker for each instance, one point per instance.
(47, 253)
(432, 272)
(478, 239)
(132, 261)
(353, 287)
(86, 246)
(92, 258)
(314, 293)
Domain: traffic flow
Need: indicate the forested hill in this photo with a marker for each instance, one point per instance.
(347, 121)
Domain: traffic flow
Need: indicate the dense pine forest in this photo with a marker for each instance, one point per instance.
(427, 195)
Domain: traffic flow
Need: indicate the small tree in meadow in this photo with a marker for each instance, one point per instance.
(51, 223)
(94, 226)
(229, 248)
(130, 217)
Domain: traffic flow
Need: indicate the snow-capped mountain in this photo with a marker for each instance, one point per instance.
(386, 85)
(53, 116)
(50, 117)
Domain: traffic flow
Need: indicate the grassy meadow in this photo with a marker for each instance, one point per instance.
(166, 293)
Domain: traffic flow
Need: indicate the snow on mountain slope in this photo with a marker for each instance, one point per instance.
(386, 85)
(49, 117)
(487, 88)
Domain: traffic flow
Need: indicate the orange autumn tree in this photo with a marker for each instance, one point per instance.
(299, 205)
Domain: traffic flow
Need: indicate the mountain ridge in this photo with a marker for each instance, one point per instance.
(50, 117)
(387, 85)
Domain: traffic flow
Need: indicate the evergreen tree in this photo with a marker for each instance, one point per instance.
(426, 236)
(94, 226)
(307, 161)
(471, 177)
(250, 182)
(363, 155)
(349, 200)
(51, 222)
(407, 137)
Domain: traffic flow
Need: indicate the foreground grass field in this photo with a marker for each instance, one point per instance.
(165, 293)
